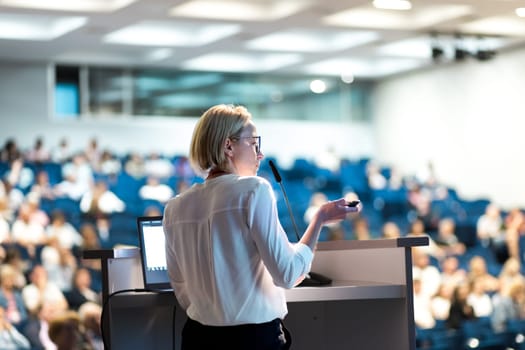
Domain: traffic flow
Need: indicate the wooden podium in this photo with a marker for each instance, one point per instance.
(369, 305)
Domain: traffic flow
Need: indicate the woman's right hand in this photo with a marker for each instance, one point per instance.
(336, 210)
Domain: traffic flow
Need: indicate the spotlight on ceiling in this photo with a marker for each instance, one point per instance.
(436, 48)
(485, 55)
(437, 53)
(460, 54)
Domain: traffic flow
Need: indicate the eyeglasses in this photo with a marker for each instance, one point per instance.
(257, 144)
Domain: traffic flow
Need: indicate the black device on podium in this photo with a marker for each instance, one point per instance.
(312, 278)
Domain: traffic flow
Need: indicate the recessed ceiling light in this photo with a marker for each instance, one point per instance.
(159, 54)
(364, 67)
(238, 62)
(35, 27)
(370, 17)
(163, 33)
(502, 25)
(68, 5)
(302, 40)
(520, 11)
(239, 10)
(392, 4)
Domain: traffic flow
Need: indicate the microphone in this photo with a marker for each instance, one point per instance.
(312, 278)
(279, 181)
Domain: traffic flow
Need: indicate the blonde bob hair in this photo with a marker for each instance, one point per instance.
(214, 127)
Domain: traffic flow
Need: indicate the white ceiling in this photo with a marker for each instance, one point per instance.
(328, 37)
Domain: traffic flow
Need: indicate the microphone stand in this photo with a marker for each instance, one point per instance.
(312, 278)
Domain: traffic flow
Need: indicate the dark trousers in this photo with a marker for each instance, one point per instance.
(264, 336)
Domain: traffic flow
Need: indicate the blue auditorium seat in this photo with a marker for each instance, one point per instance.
(478, 334)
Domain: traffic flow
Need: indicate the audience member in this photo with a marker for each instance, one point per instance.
(423, 317)
(361, 229)
(153, 189)
(10, 298)
(13, 258)
(81, 292)
(479, 299)
(156, 165)
(5, 230)
(447, 239)
(510, 273)
(60, 264)
(183, 168)
(42, 292)
(478, 271)
(489, 228)
(10, 337)
(100, 201)
(419, 199)
(62, 153)
(19, 175)
(514, 229)
(109, 164)
(90, 315)
(11, 198)
(376, 180)
(67, 332)
(390, 230)
(38, 153)
(36, 214)
(451, 273)
(10, 152)
(90, 241)
(429, 274)
(37, 326)
(66, 234)
(28, 233)
(42, 187)
(509, 304)
(460, 310)
(93, 154)
(77, 178)
(441, 301)
(134, 166)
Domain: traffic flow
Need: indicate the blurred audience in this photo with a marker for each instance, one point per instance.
(153, 189)
(447, 239)
(10, 337)
(38, 153)
(77, 178)
(460, 309)
(10, 298)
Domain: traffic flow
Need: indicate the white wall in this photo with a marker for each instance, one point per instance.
(25, 113)
(467, 118)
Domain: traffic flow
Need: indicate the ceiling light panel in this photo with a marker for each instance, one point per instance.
(300, 40)
(502, 25)
(393, 4)
(37, 27)
(369, 17)
(364, 67)
(239, 10)
(163, 33)
(241, 62)
(414, 47)
(69, 5)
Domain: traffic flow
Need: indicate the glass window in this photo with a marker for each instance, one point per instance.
(163, 92)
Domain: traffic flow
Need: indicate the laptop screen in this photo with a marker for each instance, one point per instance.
(152, 252)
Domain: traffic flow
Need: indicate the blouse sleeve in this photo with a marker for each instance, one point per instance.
(285, 261)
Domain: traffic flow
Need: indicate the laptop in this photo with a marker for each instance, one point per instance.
(152, 253)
